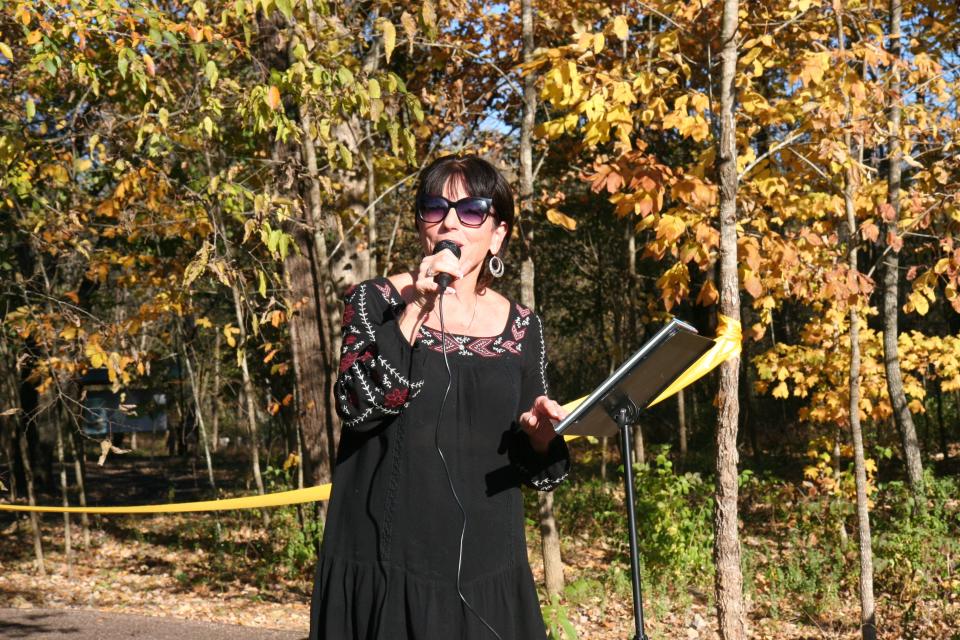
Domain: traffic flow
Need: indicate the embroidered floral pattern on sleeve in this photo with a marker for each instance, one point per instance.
(370, 385)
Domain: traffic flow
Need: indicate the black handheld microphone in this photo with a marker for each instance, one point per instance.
(444, 279)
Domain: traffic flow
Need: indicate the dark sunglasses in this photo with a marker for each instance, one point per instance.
(471, 212)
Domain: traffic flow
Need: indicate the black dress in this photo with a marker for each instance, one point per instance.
(388, 566)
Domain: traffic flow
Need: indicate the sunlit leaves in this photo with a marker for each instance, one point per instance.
(389, 37)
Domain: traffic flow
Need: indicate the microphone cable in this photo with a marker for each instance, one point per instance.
(463, 512)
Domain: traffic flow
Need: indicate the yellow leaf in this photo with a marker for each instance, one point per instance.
(149, 65)
(918, 302)
(389, 37)
(5, 50)
(670, 228)
(781, 390)
(620, 27)
(273, 98)
(228, 331)
(34, 37)
(559, 218)
(598, 42)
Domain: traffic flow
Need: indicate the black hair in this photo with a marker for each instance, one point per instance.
(479, 178)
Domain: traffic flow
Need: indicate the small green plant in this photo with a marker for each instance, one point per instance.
(674, 519)
(557, 619)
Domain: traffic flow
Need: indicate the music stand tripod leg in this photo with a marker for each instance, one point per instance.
(626, 417)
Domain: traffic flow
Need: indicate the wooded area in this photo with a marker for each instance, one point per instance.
(187, 190)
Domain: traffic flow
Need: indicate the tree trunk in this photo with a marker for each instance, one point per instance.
(79, 471)
(639, 452)
(215, 396)
(203, 429)
(682, 422)
(549, 537)
(891, 276)
(868, 626)
(317, 340)
(31, 496)
(64, 491)
(726, 548)
(249, 394)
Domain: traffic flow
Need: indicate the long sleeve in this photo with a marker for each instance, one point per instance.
(543, 472)
(374, 383)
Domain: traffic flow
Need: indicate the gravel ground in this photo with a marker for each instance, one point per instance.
(38, 624)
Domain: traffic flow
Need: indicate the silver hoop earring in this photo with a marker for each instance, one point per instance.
(495, 265)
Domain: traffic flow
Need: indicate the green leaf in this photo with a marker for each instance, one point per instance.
(31, 108)
(262, 289)
(211, 72)
(345, 155)
(122, 63)
(285, 8)
(374, 89)
(345, 76)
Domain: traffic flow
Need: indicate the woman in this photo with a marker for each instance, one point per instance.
(426, 504)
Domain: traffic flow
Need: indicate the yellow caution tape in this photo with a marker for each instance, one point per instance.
(727, 345)
(311, 494)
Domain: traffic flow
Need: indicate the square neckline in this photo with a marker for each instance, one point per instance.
(424, 327)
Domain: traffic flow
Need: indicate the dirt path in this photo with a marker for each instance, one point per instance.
(78, 624)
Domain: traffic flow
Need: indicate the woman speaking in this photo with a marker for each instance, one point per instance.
(442, 394)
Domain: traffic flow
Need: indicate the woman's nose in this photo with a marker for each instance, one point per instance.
(451, 220)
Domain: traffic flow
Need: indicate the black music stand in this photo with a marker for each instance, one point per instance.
(615, 406)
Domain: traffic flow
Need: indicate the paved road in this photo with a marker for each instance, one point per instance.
(43, 624)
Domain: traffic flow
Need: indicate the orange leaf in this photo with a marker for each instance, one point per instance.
(273, 98)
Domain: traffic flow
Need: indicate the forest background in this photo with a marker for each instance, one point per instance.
(187, 189)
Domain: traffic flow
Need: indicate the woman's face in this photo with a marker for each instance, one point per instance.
(474, 242)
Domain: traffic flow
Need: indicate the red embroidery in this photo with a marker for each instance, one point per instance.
(396, 398)
(385, 291)
(350, 339)
(523, 311)
(347, 360)
(348, 313)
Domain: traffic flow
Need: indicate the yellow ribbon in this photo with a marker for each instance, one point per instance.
(727, 345)
(279, 499)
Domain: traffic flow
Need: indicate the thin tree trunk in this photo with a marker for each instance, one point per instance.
(603, 461)
(682, 420)
(203, 429)
(942, 428)
(726, 548)
(7, 437)
(550, 538)
(891, 276)
(851, 180)
(248, 392)
(639, 452)
(215, 396)
(64, 492)
(79, 471)
(32, 500)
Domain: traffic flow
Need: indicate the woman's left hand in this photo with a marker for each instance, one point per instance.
(539, 420)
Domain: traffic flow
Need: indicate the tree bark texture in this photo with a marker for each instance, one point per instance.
(549, 537)
(726, 548)
(64, 490)
(851, 180)
(891, 276)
